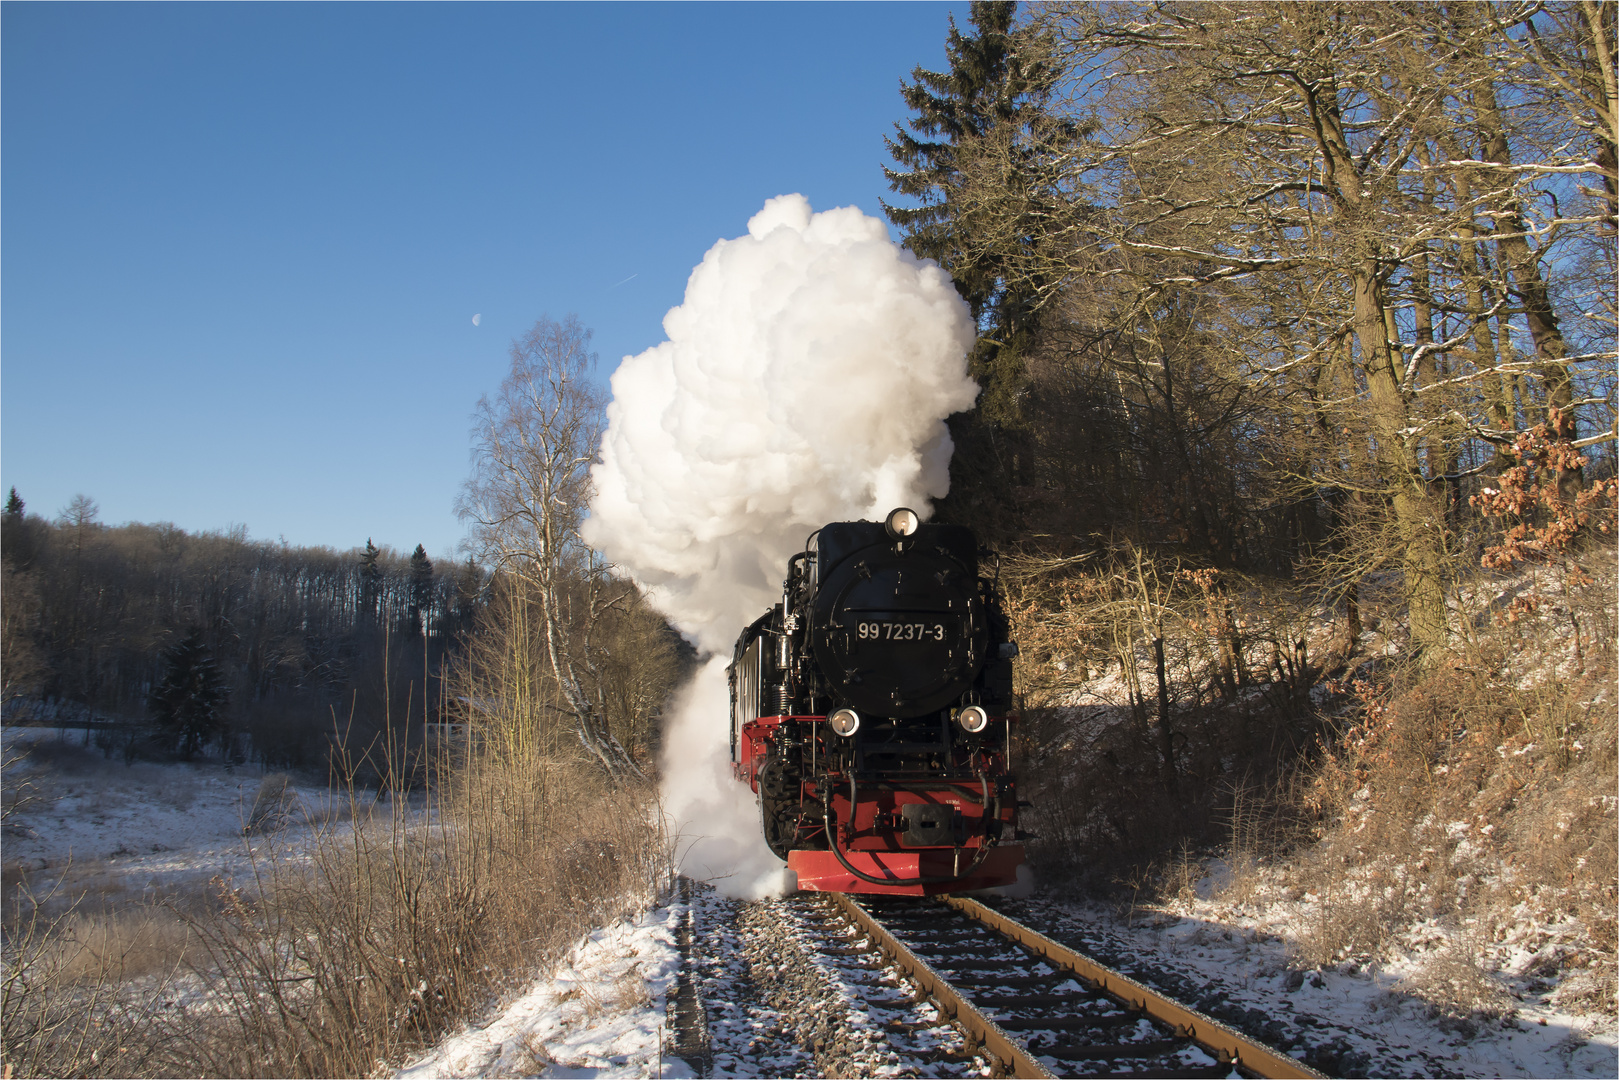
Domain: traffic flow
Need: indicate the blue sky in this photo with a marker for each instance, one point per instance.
(241, 245)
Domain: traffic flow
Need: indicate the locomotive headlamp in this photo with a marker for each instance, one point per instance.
(845, 722)
(973, 719)
(902, 522)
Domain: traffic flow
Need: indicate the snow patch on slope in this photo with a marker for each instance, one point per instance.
(600, 1015)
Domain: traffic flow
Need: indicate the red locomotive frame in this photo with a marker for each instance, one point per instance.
(869, 843)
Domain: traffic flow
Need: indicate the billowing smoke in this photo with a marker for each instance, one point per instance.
(805, 379)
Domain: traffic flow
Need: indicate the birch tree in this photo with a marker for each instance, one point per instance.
(530, 485)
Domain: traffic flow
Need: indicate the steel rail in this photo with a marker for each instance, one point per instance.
(1228, 1044)
(981, 1029)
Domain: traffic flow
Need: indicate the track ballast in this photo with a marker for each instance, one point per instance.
(1023, 1005)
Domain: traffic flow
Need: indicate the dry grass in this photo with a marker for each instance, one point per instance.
(1454, 986)
(1479, 794)
(390, 931)
(1113, 789)
(1472, 799)
(630, 991)
(1424, 826)
(529, 1056)
(273, 804)
(135, 941)
(85, 996)
(80, 887)
(357, 939)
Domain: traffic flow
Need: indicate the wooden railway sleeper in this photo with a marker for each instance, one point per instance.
(1228, 1048)
(1006, 1056)
(1067, 1023)
(1225, 1043)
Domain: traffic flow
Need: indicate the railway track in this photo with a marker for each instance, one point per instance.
(1027, 1005)
(1040, 1009)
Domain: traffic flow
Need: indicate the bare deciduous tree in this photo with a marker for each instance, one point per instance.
(1370, 206)
(530, 485)
(21, 665)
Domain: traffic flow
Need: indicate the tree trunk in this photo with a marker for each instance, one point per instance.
(1166, 738)
(1521, 269)
(1420, 529)
(1498, 404)
(1420, 526)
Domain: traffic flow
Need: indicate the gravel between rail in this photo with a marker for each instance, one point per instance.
(788, 994)
(817, 1007)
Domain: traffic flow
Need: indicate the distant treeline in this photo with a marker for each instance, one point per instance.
(301, 638)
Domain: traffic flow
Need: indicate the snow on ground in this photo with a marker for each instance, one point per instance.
(775, 1006)
(1235, 964)
(600, 1015)
(121, 833)
(133, 831)
(603, 1013)
(748, 1034)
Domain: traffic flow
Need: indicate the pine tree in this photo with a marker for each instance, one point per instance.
(997, 85)
(992, 104)
(19, 538)
(467, 600)
(188, 704)
(370, 581)
(421, 588)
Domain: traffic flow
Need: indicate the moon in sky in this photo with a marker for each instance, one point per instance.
(476, 319)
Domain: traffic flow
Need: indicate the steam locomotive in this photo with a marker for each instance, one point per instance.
(871, 712)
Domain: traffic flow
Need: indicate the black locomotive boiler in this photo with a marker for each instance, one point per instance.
(871, 713)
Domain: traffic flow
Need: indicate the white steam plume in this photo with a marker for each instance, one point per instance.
(805, 379)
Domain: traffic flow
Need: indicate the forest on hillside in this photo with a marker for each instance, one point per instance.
(1278, 286)
(1289, 314)
(288, 640)
(287, 652)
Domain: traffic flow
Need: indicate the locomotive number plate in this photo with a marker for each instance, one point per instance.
(900, 631)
